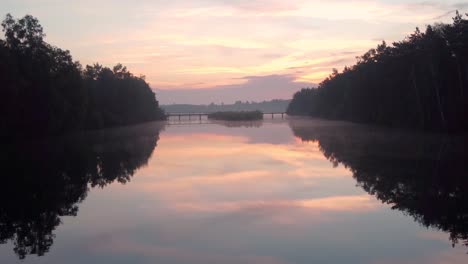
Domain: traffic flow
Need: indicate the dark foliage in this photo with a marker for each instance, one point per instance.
(42, 92)
(236, 116)
(420, 82)
(42, 181)
(422, 175)
(117, 97)
(45, 92)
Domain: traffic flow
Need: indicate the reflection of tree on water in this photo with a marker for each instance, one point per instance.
(425, 176)
(43, 181)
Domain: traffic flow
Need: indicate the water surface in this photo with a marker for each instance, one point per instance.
(272, 192)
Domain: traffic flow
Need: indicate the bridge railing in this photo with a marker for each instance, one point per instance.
(200, 115)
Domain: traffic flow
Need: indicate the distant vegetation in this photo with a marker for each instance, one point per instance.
(420, 82)
(236, 116)
(45, 92)
(245, 123)
(265, 106)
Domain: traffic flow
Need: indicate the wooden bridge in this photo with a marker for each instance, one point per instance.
(200, 115)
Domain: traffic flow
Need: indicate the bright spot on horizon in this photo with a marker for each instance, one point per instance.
(215, 44)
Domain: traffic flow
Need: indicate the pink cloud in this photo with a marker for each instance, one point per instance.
(256, 88)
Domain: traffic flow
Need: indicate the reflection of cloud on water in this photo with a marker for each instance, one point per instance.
(358, 203)
(180, 255)
(271, 131)
(221, 198)
(207, 168)
(438, 257)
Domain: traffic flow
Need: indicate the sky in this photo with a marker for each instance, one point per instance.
(193, 51)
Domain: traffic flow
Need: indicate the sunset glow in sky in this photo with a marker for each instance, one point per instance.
(213, 43)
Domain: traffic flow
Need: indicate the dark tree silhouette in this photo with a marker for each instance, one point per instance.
(422, 175)
(45, 92)
(42, 92)
(420, 82)
(45, 180)
(117, 97)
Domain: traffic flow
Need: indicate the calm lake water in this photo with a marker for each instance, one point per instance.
(273, 192)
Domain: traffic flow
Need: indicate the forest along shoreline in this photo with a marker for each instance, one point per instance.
(45, 92)
(420, 82)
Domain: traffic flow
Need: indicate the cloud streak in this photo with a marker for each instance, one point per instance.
(211, 44)
(254, 88)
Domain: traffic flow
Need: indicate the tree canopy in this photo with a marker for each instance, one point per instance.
(420, 82)
(44, 91)
(117, 97)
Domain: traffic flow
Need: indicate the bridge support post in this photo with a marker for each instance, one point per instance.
(272, 116)
(282, 115)
(179, 117)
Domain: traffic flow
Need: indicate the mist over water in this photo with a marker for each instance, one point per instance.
(276, 191)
